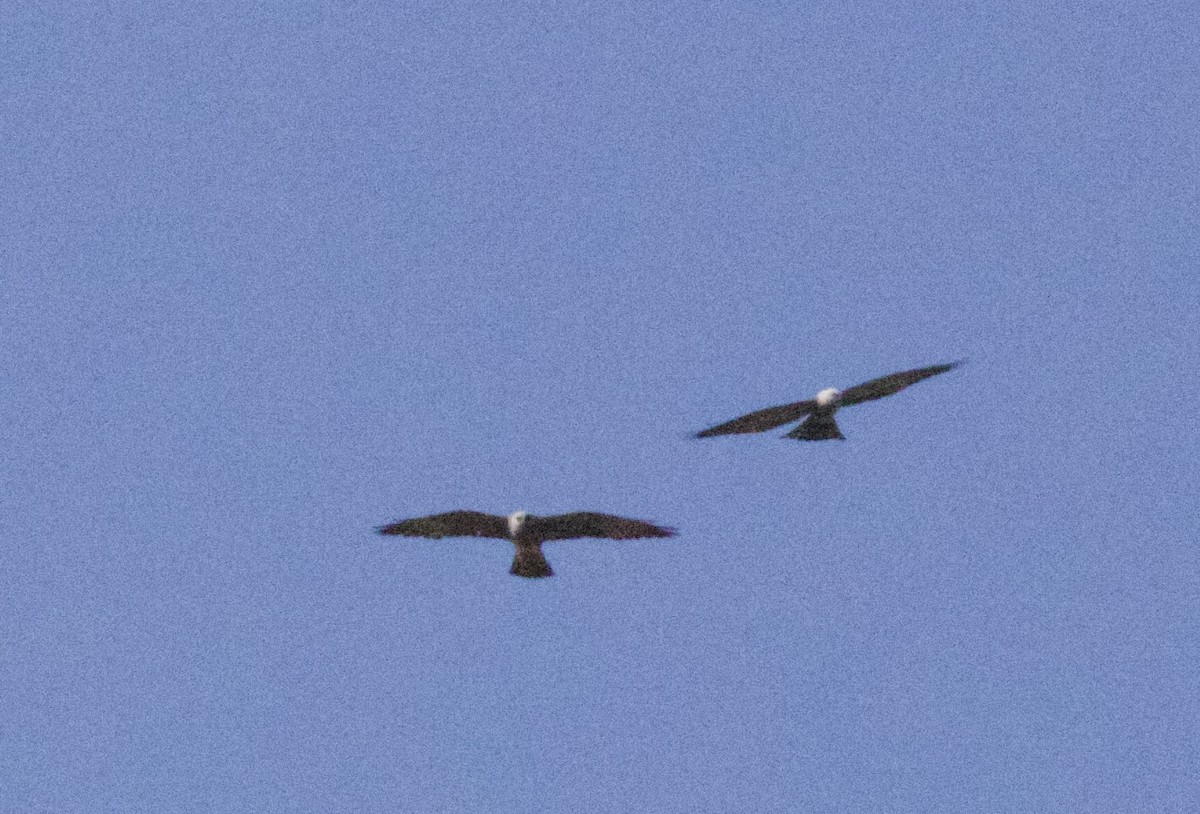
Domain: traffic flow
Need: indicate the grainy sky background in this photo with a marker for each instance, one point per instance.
(275, 273)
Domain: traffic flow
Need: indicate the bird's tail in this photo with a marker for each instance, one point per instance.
(817, 427)
(530, 562)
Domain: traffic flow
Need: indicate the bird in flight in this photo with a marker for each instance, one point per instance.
(820, 426)
(526, 532)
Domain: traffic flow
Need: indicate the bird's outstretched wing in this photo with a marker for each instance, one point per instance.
(450, 524)
(761, 420)
(893, 383)
(594, 524)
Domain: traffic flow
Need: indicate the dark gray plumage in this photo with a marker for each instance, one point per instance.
(819, 424)
(527, 532)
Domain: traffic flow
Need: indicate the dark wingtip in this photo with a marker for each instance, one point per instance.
(390, 528)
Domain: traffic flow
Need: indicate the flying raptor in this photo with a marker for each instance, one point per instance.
(526, 532)
(820, 426)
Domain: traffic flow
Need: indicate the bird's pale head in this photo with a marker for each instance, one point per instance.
(516, 521)
(828, 396)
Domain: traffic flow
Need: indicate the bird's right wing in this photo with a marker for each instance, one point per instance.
(450, 524)
(761, 420)
(594, 524)
(892, 383)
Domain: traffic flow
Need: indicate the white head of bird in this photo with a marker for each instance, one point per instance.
(828, 397)
(516, 521)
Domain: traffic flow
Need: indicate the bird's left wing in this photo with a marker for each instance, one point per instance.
(761, 420)
(450, 524)
(892, 383)
(595, 524)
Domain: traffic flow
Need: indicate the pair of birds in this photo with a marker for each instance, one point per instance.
(527, 532)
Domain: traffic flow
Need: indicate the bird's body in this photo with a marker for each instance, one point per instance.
(528, 561)
(818, 412)
(526, 532)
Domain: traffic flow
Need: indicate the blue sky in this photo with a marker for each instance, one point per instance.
(275, 274)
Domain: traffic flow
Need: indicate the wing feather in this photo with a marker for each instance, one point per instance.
(892, 383)
(450, 524)
(761, 420)
(594, 524)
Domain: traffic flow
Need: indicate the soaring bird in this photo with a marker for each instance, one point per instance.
(819, 425)
(526, 532)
